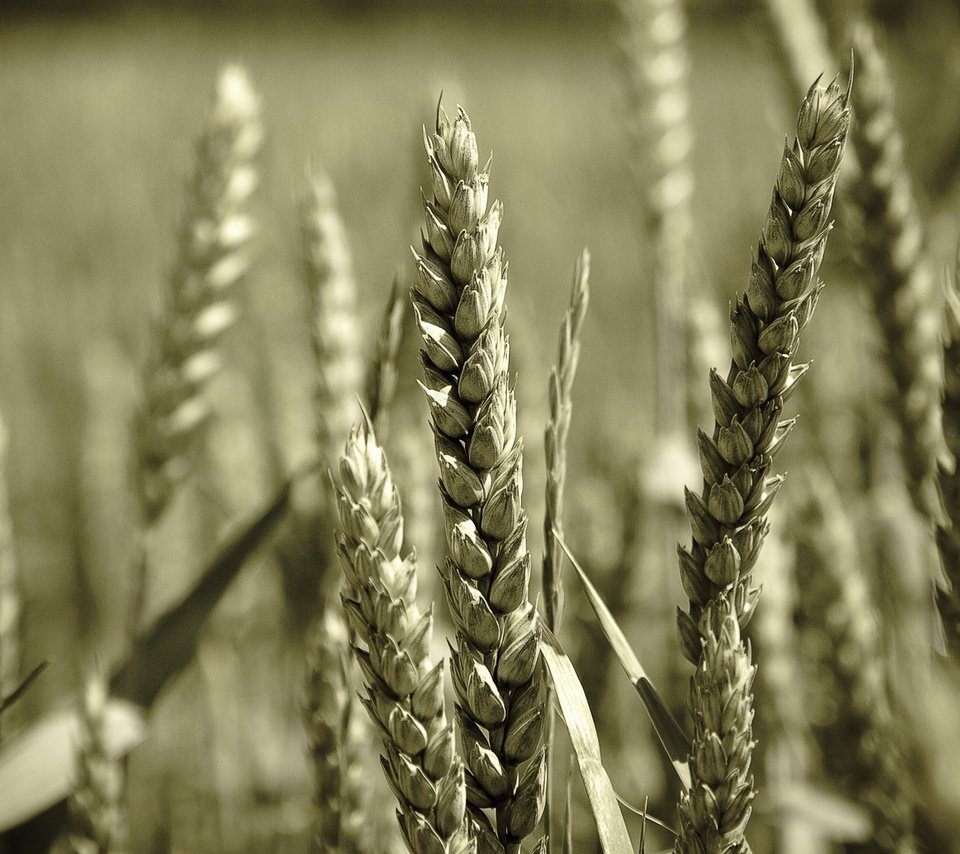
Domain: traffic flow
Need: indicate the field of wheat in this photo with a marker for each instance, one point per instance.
(508, 428)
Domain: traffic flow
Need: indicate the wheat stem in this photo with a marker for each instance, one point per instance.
(728, 518)
(392, 647)
(382, 373)
(458, 299)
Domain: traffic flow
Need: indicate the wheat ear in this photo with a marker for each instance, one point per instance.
(333, 742)
(332, 291)
(555, 437)
(555, 450)
(392, 642)
(458, 299)
(948, 534)
(902, 286)
(97, 815)
(839, 636)
(728, 518)
(658, 71)
(198, 301)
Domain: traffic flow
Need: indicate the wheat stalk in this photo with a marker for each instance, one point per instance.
(458, 299)
(97, 814)
(198, 300)
(392, 646)
(902, 288)
(948, 534)
(837, 623)
(728, 519)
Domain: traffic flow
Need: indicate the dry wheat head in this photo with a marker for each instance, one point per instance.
(728, 518)
(392, 646)
(458, 299)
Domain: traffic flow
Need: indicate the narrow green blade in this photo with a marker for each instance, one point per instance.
(669, 732)
(575, 711)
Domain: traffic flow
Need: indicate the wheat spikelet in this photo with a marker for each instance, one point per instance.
(404, 689)
(458, 299)
(658, 71)
(902, 286)
(332, 290)
(97, 815)
(198, 300)
(728, 519)
(334, 740)
(948, 535)
(860, 745)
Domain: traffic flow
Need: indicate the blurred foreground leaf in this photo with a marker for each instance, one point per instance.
(583, 736)
(671, 736)
(38, 767)
(38, 764)
(169, 645)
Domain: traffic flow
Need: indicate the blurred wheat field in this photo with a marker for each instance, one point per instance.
(100, 113)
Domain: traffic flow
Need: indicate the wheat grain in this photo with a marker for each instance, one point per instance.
(860, 745)
(404, 689)
(902, 287)
(458, 299)
(728, 519)
(198, 300)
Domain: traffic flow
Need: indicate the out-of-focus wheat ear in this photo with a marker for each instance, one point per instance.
(334, 739)
(198, 301)
(657, 62)
(332, 291)
(97, 813)
(948, 534)
(458, 298)
(382, 373)
(783, 731)
(404, 695)
(901, 283)
(555, 449)
(861, 748)
(11, 604)
(728, 517)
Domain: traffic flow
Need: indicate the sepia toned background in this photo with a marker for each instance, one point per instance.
(100, 104)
